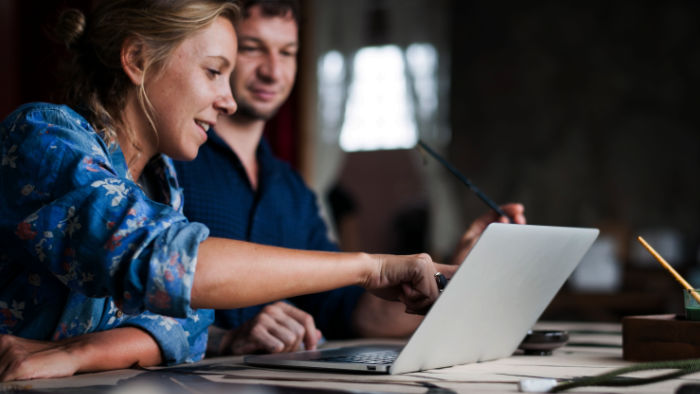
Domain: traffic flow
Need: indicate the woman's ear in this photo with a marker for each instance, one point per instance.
(132, 59)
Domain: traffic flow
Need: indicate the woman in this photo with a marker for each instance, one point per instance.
(91, 232)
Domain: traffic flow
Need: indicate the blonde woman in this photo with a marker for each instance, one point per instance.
(92, 237)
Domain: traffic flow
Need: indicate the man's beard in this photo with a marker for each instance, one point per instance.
(247, 111)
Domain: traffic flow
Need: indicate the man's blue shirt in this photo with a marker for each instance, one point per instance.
(281, 212)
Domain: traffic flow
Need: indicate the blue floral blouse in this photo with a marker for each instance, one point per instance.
(82, 248)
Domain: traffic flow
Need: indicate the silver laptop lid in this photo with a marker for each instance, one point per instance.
(496, 296)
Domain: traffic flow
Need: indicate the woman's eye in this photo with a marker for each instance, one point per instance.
(213, 72)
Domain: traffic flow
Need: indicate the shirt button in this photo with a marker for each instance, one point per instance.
(119, 313)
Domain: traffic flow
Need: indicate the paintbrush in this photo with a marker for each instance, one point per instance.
(464, 180)
(670, 269)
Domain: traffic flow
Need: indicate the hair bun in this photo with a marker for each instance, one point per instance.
(70, 26)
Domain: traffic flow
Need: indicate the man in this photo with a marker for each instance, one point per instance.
(240, 190)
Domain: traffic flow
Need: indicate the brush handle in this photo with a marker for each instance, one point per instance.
(670, 269)
(466, 181)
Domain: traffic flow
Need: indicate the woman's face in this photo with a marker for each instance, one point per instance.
(193, 89)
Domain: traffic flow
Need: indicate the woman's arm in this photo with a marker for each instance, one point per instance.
(232, 274)
(22, 359)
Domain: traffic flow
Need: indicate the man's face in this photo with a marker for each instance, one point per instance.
(266, 63)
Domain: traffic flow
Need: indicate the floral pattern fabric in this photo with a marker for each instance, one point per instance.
(82, 248)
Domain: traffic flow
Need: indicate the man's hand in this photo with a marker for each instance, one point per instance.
(514, 210)
(279, 327)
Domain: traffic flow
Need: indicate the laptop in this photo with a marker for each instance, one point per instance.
(487, 308)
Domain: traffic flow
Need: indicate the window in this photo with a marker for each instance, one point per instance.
(389, 91)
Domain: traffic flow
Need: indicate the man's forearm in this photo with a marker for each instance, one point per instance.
(219, 341)
(374, 317)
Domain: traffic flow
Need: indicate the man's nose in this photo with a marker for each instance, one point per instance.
(270, 68)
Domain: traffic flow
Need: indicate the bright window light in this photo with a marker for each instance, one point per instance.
(331, 80)
(379, 112)
(422, 62)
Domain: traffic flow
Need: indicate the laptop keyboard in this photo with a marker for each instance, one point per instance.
(379, 357)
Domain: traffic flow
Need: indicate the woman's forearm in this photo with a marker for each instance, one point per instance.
(232, 274)
(117, 348)
(99, 351)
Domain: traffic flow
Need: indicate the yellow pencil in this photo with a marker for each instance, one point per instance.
(670, 269)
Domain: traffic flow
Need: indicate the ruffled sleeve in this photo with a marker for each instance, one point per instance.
(74, 214)
(180, 340)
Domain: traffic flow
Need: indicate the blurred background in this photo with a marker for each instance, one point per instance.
(586, 112)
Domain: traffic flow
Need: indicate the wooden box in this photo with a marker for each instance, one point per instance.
(660, 337)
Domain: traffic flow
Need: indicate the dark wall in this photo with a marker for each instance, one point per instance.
(587, 111)
(10, 64)
(31, 63)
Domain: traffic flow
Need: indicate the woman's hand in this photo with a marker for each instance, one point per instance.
(22, 359)
(409, 279)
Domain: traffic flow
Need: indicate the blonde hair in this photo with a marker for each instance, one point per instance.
(98, 86)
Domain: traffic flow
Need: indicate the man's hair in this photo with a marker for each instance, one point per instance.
(273, 8)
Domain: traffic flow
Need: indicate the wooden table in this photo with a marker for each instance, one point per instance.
(592, 349)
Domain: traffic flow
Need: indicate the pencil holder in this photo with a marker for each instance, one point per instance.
(692, 308)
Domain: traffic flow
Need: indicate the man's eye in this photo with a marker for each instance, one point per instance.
(213, 72)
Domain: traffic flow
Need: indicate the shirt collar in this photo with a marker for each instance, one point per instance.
(160, 168)
(267, 162)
